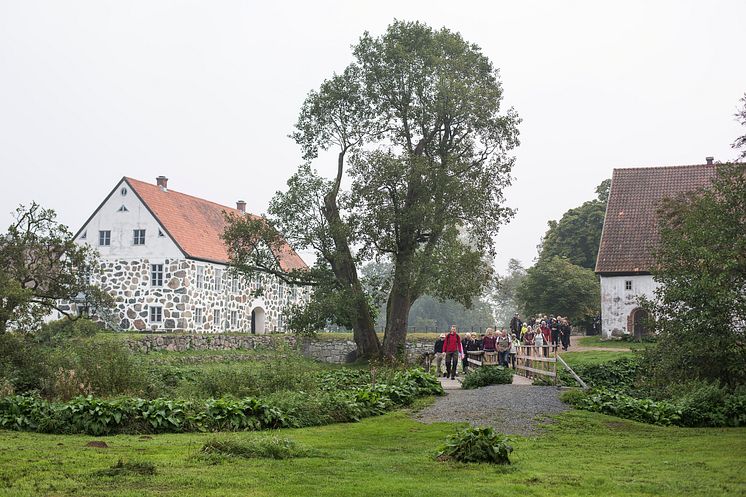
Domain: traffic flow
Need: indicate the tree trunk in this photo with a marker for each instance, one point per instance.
(343, 265)
(399, 303)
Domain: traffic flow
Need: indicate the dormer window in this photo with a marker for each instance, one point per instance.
(123, 209)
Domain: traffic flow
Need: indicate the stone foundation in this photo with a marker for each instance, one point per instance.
(330, 351)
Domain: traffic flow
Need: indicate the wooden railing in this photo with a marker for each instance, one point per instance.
(530, 361)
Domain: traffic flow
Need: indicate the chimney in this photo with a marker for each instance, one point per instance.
(241, 206)
(709, 160)
(162, 181)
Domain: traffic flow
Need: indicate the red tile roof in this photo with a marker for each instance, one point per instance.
(630, 232)
(196, 224)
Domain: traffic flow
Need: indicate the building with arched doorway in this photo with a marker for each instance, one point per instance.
(164, 262)
(630, 236)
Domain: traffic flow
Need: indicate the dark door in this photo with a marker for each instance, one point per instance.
(641, 317)
(253, 321)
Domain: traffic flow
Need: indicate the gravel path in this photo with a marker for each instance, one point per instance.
(511, 409)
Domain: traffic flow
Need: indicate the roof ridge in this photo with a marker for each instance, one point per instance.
(168, 190)
(667, 167)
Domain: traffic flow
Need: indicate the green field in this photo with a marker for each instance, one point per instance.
(583, 454)
(596, 341)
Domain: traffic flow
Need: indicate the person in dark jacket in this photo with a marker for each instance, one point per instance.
(453, 351)
(438, 349)
(554, 327)
(515, 325)
(565, 331)
(469, 344)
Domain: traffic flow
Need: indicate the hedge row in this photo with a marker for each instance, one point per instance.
(134, 415)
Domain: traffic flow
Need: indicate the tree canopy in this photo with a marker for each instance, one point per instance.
(40, 264)
(417, 124)
(700, 307)
(577, 234)
(557, 286)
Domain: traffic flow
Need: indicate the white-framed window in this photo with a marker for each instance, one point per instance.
(280, 322)
(294, 293)
(280, 291)
(235, 284)
(218, 279)
(200, 280)
(234, 320)
(628, 285)
(156, 314)
(198, 316)
(216, 318)
(138, 237)
(104, 238)
(156, 275)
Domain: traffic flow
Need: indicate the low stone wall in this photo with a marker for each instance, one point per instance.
(331, 351)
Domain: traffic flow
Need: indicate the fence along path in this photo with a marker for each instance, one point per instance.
(530, 361)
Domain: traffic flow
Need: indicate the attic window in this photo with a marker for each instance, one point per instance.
(84, 235)
(628, 285)
(123, 209)
(123, 191)
(160, 233)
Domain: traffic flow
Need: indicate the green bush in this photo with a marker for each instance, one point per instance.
(487, 375)
(57, 332)
(618, 404)
(135, 415)
(477, 445)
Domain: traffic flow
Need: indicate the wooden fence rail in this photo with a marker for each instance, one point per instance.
(531, 361)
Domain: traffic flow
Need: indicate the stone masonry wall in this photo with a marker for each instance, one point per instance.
(330, 351)
(184, 296)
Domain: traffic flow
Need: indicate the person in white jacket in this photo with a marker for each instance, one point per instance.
(513, 349)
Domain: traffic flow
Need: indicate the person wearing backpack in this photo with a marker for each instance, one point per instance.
(453, 350)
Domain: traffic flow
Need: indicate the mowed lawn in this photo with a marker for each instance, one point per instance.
(392, 455)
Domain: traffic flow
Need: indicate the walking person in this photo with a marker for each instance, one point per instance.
(489, 345)
(555, 330)
(453, 351)
(438, 349)
(514, 343)
(547, 334)
(467, 344)
(565, 331)
(515, 325)
(503, 348)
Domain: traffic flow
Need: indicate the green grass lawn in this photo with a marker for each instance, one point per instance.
(596, 341)
(593, 357)
(582, 454)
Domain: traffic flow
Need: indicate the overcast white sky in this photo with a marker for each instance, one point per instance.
(207, 92)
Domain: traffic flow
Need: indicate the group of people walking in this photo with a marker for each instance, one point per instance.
(540, 333)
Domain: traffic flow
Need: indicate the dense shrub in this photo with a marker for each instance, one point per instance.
(618, 404)
(487, 375)
(477, 445)
(135, 415)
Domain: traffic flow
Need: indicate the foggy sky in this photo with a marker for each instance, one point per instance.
(207, 92)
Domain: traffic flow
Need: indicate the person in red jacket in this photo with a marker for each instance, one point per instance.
(547, 333)
(453, 351)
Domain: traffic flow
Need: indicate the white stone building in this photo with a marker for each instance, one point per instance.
(630, 236)
(166, 266)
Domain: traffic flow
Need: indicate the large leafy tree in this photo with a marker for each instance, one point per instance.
(577, 234)
(700, 307)
(557, 286)
(40, 266)
(416, 123)
(740, 142)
